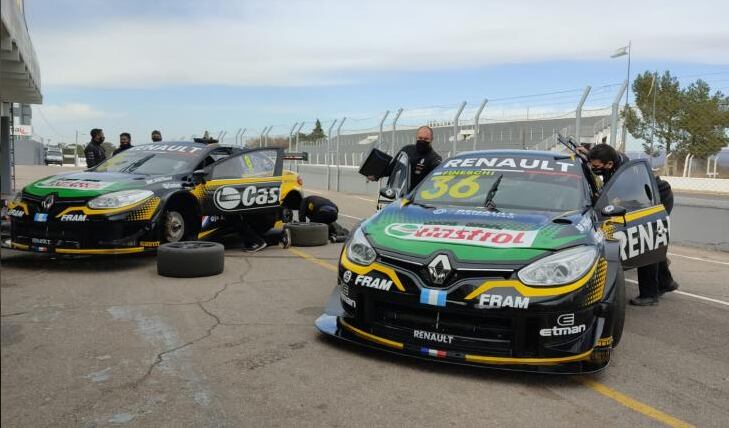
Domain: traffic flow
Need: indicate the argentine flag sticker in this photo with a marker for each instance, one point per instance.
(433, 297)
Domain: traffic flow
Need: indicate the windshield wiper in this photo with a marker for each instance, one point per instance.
(489, 202)
(134, 165)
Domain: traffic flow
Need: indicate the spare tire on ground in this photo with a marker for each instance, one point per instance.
(190, 259)
(308, 234)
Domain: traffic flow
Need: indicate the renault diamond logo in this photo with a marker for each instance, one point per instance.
(48, 202)
(439, 269)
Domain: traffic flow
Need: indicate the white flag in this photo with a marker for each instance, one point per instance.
(620, 52)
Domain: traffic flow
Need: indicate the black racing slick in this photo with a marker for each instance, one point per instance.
(94, 154)
(421, 163)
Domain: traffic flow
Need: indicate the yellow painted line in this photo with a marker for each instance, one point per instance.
(309, 257)
(632, 404)
(19, 246)
(619, 397)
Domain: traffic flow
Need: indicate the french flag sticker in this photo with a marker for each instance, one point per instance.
(433, 297)
(433, 352)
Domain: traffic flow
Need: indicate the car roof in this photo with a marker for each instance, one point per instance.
(519, 153)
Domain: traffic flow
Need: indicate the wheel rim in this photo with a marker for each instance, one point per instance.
(174, 227)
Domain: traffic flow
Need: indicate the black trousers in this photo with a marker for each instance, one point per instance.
(654, 278)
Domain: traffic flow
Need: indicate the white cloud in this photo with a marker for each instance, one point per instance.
(70, 112)
(312, 43)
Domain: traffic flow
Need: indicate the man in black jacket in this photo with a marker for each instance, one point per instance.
(125, 142)
(93, 151)
(423, 158)
(653, 280)
(323, 210)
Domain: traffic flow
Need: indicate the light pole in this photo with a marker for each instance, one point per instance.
(625, 50)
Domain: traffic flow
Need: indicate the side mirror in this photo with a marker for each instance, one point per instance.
(199, 176)
(613, 211)
(387, 192)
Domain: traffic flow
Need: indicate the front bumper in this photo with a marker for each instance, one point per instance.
(336, 322)
(76, 229)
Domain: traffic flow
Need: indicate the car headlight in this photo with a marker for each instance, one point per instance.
(560, 268)
(119, 199)
(359, 249)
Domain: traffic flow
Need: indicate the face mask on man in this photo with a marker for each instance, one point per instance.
(422, 146)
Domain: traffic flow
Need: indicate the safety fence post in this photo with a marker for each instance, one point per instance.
(578, 113)
(455, 126)
(339, 135)
(394, 128)
(329, 148)
(382, 123)
(614, 117)
(477, 119)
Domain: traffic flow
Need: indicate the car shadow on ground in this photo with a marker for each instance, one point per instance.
(90, 263)
(486, 374)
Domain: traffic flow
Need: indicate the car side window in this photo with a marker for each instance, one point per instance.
(631, 188)
(213, 157)
(252, 164)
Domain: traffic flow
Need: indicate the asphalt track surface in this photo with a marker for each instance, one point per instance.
(95, 342)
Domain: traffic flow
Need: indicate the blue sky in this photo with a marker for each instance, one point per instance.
(186, 66)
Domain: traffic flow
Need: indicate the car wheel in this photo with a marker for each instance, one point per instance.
(308, 234)
(619, 313)
(190, 259)
(173, 226)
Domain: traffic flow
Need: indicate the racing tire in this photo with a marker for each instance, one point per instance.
(308, 234)
(619, 313)
(190, 259)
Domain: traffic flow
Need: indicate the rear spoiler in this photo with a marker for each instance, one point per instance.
(303, 156)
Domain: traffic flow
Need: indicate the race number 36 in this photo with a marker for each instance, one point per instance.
(232, 199)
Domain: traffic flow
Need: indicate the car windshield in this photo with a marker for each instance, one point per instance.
(150, 162)
(504, 182)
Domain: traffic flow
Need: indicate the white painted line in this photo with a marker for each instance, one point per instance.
(699, 259)
(365, 199)
(350, 216)
(314, 192)
(695, 296)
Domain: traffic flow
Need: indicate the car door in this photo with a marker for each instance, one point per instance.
(246, 182)
(398, 182)
(644, 230)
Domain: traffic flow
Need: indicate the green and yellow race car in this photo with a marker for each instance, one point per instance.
(153, 194)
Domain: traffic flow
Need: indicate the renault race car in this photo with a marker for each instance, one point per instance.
(152, 194)
(511, 259)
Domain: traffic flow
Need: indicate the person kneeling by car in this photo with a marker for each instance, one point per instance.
(322, 210)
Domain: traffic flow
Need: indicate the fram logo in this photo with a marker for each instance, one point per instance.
(480, 236)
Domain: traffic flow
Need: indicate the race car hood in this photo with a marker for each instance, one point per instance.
(85, 184)
(475, 235)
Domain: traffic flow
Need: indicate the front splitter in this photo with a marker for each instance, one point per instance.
(333, 324)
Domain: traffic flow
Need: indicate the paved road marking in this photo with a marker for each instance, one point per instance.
(365, 199)
(601, 389)
(632, 404)
(315, 192)
(695, 296)
(350, 216)
(700, 259)
(309, 257)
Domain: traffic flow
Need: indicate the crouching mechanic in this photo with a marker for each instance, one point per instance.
(322, 210)
(653, 280)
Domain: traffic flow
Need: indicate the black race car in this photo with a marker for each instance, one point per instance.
(152, 194)
(511, 259)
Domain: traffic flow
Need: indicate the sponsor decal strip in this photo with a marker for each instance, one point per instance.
(635, 215)
(480, 236)
(528, 291)
(364, 270)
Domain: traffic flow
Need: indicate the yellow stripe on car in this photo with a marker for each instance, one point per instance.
(90, 211)
(635, 215)
(129, 250)
(371, 337)
(364, 270)
(528, 291)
